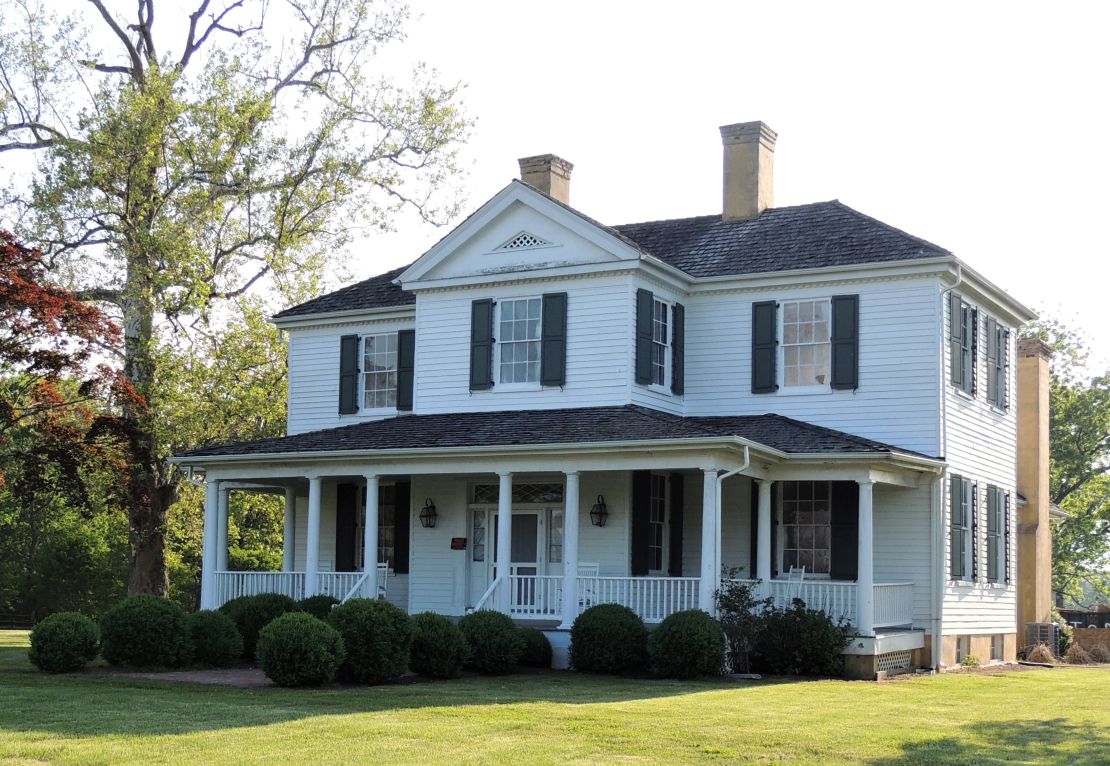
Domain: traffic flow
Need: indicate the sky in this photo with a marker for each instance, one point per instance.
(983, 127)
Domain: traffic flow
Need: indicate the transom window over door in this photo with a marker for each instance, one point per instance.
(806, 343)
(660, 342)
(379, 371)
(519, 340)
(806, 524)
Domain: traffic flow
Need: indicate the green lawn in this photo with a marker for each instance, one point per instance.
(1059, 716)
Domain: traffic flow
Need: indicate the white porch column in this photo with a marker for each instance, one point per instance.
(370, 536)
(707, 585)
(312, 539)
(570, 551)
(221, 530)
(208, 556)
(763, 532)
(504, 538)
(865, 576)
(288, 535)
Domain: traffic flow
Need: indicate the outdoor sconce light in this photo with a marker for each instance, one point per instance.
(599, 513)
(428, 514)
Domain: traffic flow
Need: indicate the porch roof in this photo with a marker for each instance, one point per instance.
(560, 426)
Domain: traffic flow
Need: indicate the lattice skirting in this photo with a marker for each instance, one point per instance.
(894, 660)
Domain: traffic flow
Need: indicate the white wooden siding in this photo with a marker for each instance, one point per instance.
(896, 401)
(901, 548)
(608, 545)
(980, 446)
(437, 574)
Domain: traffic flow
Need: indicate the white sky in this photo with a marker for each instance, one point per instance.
(982, 127)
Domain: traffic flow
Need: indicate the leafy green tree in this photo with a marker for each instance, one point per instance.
(186, 165)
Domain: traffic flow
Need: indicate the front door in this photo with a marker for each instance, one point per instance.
(526, 551)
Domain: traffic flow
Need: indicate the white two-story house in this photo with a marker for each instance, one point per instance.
(544, 412)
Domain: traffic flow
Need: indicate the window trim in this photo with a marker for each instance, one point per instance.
(999, 394)
(668, 347)
(780, 351)
(498, 343)
(969, 491)
(362, 373)
(780, 518)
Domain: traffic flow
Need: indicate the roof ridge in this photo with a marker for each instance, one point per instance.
(718, 215)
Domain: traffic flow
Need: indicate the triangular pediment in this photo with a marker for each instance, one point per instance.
(517, 231)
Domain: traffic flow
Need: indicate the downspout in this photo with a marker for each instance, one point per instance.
(717, 511)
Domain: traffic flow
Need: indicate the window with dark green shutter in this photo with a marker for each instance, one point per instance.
(764, 347)
(996, 528)
(553, 343)
(406, 368)
(645, 307)
(678, 348)
(845, 341)
(963, 343)
(348, 374)
(959, 532)
(481, 345)
(998, 356)
(641, 523)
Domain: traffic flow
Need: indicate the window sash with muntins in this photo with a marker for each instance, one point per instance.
(960, 540)
(807, 526)
(806, 343)
(660, 341)
(518, 339)
(657, 523)
(999, 372)
(996, 559)
(379, 371)
(967, 348)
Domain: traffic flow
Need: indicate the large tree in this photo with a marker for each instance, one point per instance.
(181, 164)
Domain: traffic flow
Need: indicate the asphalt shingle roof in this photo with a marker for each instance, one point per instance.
(586, 424)
(375, 292)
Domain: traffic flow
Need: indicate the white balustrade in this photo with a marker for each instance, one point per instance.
(653, 598)
(893, 604)
(893, 601)
(537, 596)
(231, 585)
(339, 585)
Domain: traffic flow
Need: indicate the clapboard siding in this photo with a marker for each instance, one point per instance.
(901, 547)
(437, 577)
(980, 445)
(896, 401)
(597, 359)
(606, 546)
(314, 373)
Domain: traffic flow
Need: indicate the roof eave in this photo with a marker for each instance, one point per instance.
(377, 312)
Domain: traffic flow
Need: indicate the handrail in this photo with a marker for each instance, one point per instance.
(485, 596)
(358, 586)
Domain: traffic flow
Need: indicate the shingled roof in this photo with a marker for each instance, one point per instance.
(562, 426)
(373, 293)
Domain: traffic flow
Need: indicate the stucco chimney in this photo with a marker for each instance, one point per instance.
(749, 158)
(1034, 578)
(548, 173)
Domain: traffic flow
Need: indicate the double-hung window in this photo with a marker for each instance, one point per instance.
(660, 341)
(964, 345)
(961, 542)
(657, 523)
(379, 371)
(997, 528)
(806, 346)
(518, 339)
(998, 363)
(806, 525)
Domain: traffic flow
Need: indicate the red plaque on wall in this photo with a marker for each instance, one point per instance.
(458, 543)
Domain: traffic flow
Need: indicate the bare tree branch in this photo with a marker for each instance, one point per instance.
(132, 53)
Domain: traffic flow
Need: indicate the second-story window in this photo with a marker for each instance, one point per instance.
(379, 371)
(519, 341)
(964, 345)
(806, 347)
(660, 342)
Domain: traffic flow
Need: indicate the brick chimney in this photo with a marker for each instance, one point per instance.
(749, 155)
(548, 173)
(1034, 577)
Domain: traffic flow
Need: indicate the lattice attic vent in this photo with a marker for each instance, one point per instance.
(524, 241)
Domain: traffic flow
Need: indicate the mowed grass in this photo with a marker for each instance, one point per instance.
(1059, 716)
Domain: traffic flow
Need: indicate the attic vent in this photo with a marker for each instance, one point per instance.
(524, 241)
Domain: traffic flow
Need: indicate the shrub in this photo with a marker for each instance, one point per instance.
(146, 631)
(438, 646)
(1040, 653)
(64, 641)
(537, 649)
(318, 606)
(296, 649)
(739, 615)
(797, 641)
(377, 637)
(687, 644)
(252, 613)
(608, 638)
(1077, 655)
(971, 661)
(495, 645)
(1100, 653)
(216, 640)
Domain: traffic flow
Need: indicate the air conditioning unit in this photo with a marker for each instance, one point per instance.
(1042, 633)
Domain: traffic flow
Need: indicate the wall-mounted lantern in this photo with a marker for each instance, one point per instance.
(428, 514)
(599, 513)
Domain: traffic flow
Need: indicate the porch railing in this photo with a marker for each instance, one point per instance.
(893, 604)
(653, 598)
(231, 585)
(538, 596)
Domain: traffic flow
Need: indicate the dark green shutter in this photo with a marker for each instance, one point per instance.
(346, 513)
(678, 349)
(1006, 538)
(674, 565)
(348, 374)
(641, 522)
(553, 340)
(775, 529)
(956, 338)
(844, 531)
(994, 504)
(402, 499)
(955, 528)
(644, 304)
(764, 347)
(975, 532)
(406, 368)
(845, 341)
(754, 528)
(992, 361)
(481, 345)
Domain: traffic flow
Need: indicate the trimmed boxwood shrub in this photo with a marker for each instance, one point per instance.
(296, 649)
(252, 613)
(608, 638)
(438, 646)
(687, 644)
(64, 641)
(146, 631)
(800, 641)
(377, 636)
(318, 606)
(495, 644)
(537, 649)
(216, 640)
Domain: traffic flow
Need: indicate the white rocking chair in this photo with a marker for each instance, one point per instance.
(586, 596)
(795, 577)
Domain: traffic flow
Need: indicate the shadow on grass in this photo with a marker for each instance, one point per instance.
(92, 703)
(1055, 742)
